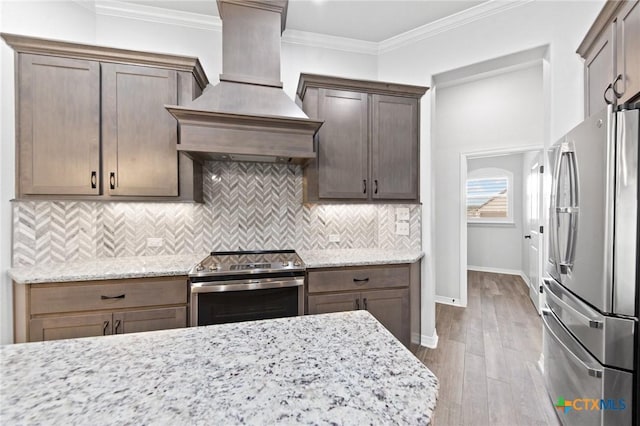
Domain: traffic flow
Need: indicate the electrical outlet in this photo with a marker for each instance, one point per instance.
(402, 228)
(402, 213)
(334, 238)
(154, 242)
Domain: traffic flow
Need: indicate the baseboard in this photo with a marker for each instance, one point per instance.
(448, 301)
(494, 270)
(429, 341)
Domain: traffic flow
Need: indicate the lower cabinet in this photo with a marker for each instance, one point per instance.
(385, 291)
(390, 307)
(55, 311)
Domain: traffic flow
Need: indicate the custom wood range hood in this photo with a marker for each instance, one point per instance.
(247, 116)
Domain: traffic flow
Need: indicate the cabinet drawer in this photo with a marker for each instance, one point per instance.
(113, 294)
(347, 279)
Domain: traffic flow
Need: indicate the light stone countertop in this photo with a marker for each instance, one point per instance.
(342, 368)
(357, 257)
(174, 265)
(107, 269)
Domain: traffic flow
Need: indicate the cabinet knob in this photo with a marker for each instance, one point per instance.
(364, 186)
(613, 86)
(609, 87)
(112, 180)
(94, 179)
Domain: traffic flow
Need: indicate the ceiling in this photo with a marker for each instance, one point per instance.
(370, 20)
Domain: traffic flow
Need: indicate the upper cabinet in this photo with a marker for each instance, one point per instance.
(58, 125)
(91, 122)
(139, 135)
(611, 50)
(368, 147)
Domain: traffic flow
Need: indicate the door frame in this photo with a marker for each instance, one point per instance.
(464, 157)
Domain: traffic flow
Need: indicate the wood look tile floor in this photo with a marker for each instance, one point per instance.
(487, 356)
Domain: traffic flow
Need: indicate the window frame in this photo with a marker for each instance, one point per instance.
(492, 173)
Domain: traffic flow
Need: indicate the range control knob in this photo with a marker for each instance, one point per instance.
(199, 267)
(214, 267)
(297, 263)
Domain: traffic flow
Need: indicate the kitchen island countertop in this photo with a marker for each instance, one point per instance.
(342, 368)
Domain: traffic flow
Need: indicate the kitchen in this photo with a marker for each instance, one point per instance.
(237, 214)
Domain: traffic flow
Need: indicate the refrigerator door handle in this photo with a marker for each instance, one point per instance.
(554, 249)
(575, 313)
(591, 370)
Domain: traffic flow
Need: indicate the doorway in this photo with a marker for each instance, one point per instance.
(501, 216)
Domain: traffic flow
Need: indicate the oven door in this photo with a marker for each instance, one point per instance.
(587, 392)
(220, 302)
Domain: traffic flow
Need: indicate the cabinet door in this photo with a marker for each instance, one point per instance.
(342, 145)
(628, 51)
(391, 308)
(149, 320)
(58, 126)
(327, 303)
(69, 327)
(395, 154)
(139, 134)
(599, 72)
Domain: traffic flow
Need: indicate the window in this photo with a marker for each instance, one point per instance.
(489, 196)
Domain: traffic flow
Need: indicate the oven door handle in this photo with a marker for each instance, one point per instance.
(243, 285)
(591, 370)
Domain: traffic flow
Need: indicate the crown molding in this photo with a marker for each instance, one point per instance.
(214, 23)
(330, 42)
(157, 14)
(448, 23)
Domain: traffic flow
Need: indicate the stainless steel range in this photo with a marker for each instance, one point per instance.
(234, 286)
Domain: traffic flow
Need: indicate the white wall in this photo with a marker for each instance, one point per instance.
(494, 116)
(561, 26)
(63, 20)
(498, 246)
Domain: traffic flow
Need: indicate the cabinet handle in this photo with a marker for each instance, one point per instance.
(116, 325)
(364, 301)
(527, 237)
(104, 328)
(615, 82)
(360, 280)
(607, 101)
(364, 186)
(375, 186)
(94, 180)
(112, 180)
(112, 297)
(357, 304)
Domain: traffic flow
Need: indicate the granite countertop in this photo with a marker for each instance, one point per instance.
(158, 266)
(357, 257)
(107, 269)
(342, 368)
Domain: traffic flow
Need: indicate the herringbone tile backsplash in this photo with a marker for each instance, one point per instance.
(247, 206)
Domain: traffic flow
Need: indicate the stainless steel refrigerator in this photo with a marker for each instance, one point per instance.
(590, 335)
